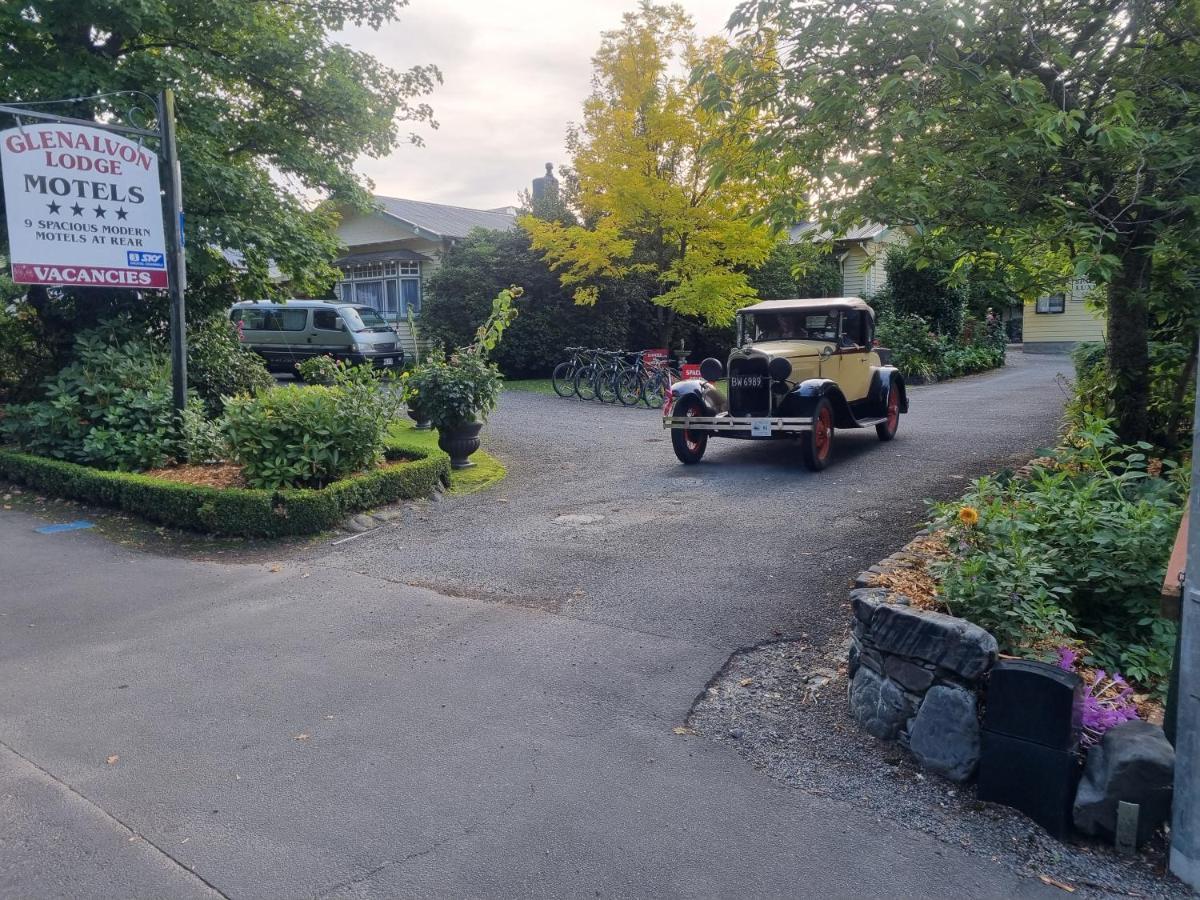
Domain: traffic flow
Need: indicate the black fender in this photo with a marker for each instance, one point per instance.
(714, 401)
(801, 401)
(883, 378)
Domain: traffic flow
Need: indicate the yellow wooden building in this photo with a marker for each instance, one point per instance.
(1055, 323)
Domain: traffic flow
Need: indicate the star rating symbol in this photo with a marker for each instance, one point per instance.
(99, 210)
(54, 208)
(121, 213)
(77, 209)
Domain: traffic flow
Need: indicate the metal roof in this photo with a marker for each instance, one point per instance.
(442, 221)
(865, 232)
(812, 304)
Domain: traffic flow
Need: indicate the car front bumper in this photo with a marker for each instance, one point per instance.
(739, 425)
(379, 358)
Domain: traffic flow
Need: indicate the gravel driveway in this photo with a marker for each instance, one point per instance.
(599, 521)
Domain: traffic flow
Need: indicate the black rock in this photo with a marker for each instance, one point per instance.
(908, 674)
(1133, 762)
(852, 657)
(944, 736)
(879, 706)
(864, 602)
(955, 644)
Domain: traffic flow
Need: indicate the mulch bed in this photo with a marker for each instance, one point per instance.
(217, 475)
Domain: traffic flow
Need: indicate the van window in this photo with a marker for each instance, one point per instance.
(363, 318)
(271, 319)
(325, 319)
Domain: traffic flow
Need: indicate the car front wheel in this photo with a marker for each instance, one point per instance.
(816, 445)
(689, 444)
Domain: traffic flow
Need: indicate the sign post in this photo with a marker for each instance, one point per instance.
(83, 210)
(1185, 823)
(176, 262)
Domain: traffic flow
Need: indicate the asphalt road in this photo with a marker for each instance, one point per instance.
(324, 727)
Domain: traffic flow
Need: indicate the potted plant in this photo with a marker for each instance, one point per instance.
(457, 391)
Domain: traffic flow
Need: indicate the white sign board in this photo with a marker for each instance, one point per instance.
(83, 208)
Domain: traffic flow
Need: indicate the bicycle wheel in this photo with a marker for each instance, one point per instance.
(606, 386)
(629, 387)
(585, 383)
(657, 387)
(563, 379)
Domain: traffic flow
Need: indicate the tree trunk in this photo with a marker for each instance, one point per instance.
(1128, 348)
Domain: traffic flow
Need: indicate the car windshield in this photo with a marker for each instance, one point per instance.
(363, 318)
(791, 326)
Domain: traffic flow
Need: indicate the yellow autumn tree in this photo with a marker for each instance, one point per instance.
(665, 189)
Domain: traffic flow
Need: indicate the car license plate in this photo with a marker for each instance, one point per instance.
(760, 428)
(389, 361)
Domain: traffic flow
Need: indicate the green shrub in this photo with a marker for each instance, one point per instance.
(24, 359)
(461, 292)
(320, 369)
(201, 439)
(1172, 390)
(312, 435)
(219, 366)
(230, 511)
(1078, 550)
(916, 351)
(922, 290)
(110, 408)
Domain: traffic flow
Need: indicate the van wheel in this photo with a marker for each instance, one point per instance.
(816, 446)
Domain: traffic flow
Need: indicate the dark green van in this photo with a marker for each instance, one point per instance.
(285, 334)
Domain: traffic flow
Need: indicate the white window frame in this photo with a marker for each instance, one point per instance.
(395, 271)
(1051, 304)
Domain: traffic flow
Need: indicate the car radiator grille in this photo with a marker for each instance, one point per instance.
(749, 387)
(391, 346)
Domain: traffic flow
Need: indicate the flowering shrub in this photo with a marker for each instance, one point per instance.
(1075, 552)
(1107, 701)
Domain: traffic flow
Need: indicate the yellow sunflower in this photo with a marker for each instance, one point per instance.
(969, 516)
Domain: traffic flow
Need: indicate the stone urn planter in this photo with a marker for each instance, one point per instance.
(460, 441)
(418, 415)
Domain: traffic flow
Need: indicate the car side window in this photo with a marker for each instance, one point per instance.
(852, 329)
(325, 320)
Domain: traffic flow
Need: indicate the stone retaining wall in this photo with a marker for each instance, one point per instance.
(915, 674)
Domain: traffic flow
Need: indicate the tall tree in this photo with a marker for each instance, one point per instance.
(652, 213)
(1029, 131)
(272, 113)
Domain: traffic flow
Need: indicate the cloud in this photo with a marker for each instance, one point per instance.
(516, 72)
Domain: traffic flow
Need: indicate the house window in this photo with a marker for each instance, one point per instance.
(1054, 303)
(392, 288)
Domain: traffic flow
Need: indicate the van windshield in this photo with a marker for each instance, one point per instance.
(363, 318)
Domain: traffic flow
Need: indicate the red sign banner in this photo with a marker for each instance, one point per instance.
(689, 371)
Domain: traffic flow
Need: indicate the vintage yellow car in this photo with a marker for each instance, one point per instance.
(801, 369)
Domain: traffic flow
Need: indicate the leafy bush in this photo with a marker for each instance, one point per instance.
(24, 359)
(455, 390)
(110, 408)
(1076, 551)
(916, 351)
(201, 439)
(312, 435)
(461, 292)
(1172, 390)
(914, 288)
(219, 366)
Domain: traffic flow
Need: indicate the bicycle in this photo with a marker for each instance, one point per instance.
(562, 379)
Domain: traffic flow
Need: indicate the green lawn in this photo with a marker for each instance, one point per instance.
(486, 471)
(532, 385)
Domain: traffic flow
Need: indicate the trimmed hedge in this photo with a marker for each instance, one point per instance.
(243, 512)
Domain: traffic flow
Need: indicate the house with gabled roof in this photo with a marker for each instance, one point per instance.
(861, 252)
(392, 251)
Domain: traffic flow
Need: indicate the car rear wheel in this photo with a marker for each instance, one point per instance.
(887, 428)
(689, 444)
(816, 446)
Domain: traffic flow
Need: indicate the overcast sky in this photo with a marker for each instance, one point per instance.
(516, 72)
